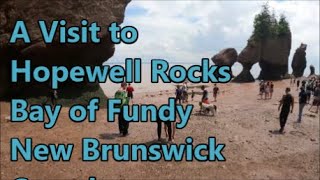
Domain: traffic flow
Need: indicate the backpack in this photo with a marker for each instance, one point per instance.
(122, 95)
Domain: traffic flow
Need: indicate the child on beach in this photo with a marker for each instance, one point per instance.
(130, 90)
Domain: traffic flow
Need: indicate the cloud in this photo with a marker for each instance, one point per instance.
(186, 31)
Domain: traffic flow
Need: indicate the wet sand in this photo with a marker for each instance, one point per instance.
(243, 122)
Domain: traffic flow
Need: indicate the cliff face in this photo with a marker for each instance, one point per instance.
(299, 62)
(102, 12)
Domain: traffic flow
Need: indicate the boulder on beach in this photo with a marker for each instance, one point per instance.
(48, 55)
(299, 62)
(226, 57)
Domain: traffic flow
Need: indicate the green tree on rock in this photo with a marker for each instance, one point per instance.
(283, 26)
(274, 25)
(262, 23)
(267, 26)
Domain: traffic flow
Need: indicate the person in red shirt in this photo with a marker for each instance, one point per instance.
(130, 91)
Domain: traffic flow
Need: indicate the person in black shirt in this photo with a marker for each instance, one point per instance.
(178, 94)
(286, 102)
(298, 84)
(302, 102)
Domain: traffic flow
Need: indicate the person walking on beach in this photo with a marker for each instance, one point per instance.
(122, 95)
(302, 103)
(266, 90)
(271, 90)
(303, 84)
(192, 95)
(298, 84)
(204, 98)
(309, 88)
(130, 90)
(286, 102)
(261, 89)
(167, 128)
(316, 98)
(178, 94)
(215, 92)
(53, 96)
(184, 92)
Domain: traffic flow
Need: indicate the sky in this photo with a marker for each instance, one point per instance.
(187, 31)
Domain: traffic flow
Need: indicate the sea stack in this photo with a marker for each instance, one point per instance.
(269, 45)
(299, 62)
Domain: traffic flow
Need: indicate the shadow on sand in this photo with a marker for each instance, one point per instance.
(109, 136)
(276, 132)
(162, 142)
(203, 114)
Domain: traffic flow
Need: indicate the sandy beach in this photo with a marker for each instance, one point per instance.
(243, 122)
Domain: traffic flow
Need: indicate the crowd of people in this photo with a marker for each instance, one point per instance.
(266, 89)
(125, 93)
(309, 90)
(182, 93)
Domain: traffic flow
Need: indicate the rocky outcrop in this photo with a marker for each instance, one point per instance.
(312, 70)
(299, 62)
(274, 58)
(226, 57)
(272, 55)
(247, 58)
(102, 12)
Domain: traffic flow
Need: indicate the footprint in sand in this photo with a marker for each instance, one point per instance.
(297, 133)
